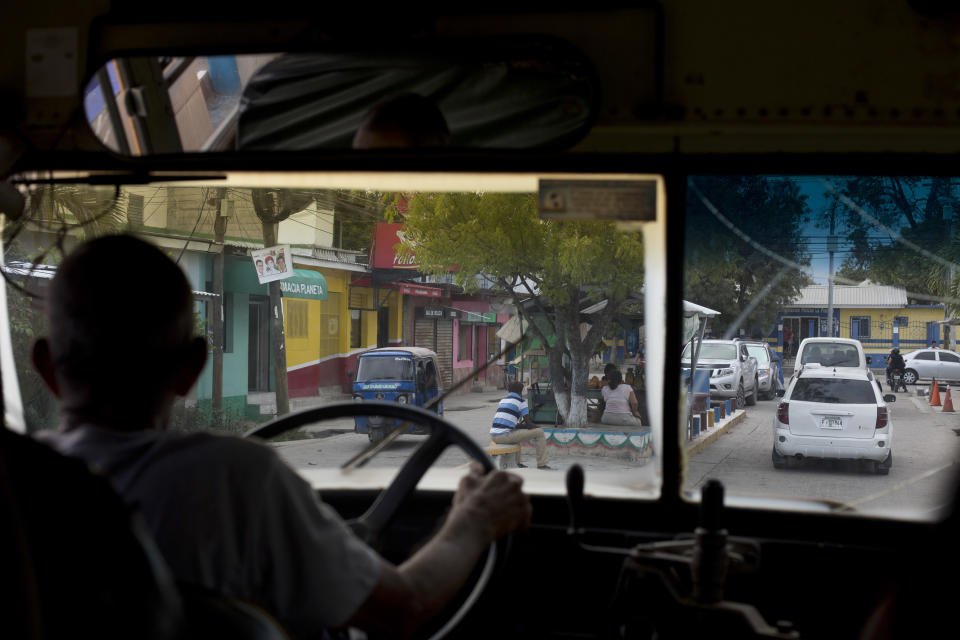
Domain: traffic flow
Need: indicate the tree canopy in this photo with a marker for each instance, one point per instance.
(875, 210)
(728, 273)
(562, 266)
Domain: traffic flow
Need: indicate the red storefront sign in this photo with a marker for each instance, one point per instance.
(416, 290)
(385, 254)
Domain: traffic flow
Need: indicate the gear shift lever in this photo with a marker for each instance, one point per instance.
(575, 481)
(710, 560)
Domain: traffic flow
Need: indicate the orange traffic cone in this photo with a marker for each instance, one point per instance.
(935, 395)
(947, 402)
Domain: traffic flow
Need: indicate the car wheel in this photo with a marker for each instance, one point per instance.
(741, 396)
(779, 461)
(376, 435)
(910, 377)
(883, 468)
(752, 398)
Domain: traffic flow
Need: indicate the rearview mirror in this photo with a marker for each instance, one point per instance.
(780, 393)
(520, 92)
(889, 398)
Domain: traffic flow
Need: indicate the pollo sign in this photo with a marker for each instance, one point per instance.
(386, 253)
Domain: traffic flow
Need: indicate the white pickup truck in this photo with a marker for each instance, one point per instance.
(733, 371)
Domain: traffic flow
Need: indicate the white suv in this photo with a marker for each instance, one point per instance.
(830, 412)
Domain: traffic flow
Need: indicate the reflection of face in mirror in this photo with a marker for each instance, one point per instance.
(402, 120)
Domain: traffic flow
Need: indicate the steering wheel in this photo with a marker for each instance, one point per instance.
(384, 509)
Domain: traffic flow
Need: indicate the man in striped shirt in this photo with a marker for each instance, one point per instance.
(511, 425)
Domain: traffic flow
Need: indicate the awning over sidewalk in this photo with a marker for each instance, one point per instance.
(305, 283)
(512, 331)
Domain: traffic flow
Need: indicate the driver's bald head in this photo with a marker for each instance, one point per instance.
(120, 322)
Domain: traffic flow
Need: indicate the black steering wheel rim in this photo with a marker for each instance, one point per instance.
(371, 524)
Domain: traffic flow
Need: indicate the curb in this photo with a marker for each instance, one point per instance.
(701, 442)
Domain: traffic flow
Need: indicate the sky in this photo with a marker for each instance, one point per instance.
(817, 228)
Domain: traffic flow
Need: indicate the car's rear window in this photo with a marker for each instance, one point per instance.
(833, 391)
(831, 355)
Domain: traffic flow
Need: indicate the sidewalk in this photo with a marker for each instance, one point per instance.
(708, 436)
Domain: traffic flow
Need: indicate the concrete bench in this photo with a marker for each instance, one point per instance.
(499, 453)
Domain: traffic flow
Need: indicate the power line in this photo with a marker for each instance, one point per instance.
(203, 204)
(786, 261)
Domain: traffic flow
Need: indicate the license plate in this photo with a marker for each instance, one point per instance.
(831, 422)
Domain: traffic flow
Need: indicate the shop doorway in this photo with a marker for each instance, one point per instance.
(436, 334)
(383, 327)
(800, 328)
(258, 347)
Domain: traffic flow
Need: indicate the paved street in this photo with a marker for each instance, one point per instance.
(472, 412)
(926, 452)
(925, 449)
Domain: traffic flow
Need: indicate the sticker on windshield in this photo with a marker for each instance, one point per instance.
(615, 200)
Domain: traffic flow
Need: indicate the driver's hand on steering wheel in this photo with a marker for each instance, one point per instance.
(493, 502)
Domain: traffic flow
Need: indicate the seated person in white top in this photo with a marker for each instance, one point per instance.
(619, 402)
(228, 513)
(511, 425)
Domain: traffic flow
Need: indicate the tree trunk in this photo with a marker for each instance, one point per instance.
(277, 341)
(580, 368)
(561, 391)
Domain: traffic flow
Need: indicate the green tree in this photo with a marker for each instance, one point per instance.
(559, 268)
(727, 272)
(921, 211)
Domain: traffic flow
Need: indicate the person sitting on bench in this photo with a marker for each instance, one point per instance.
(620, 405)
(511, 425)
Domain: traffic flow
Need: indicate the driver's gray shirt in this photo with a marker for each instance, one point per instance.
(230, 515)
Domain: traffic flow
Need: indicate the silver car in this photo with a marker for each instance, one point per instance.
(769, 376)
(925, 364)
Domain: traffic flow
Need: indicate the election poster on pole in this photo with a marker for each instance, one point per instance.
(272, 263)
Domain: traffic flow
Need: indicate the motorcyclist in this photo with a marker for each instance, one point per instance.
(894, 363)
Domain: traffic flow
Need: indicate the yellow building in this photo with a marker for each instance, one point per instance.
(878, 316)
(327, 328)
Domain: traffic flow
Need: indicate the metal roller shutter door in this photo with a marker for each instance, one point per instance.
(444, 351)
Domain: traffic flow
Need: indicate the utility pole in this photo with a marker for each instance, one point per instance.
(831, 248)
(273, 206)
(220, 231)
(277, 338)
